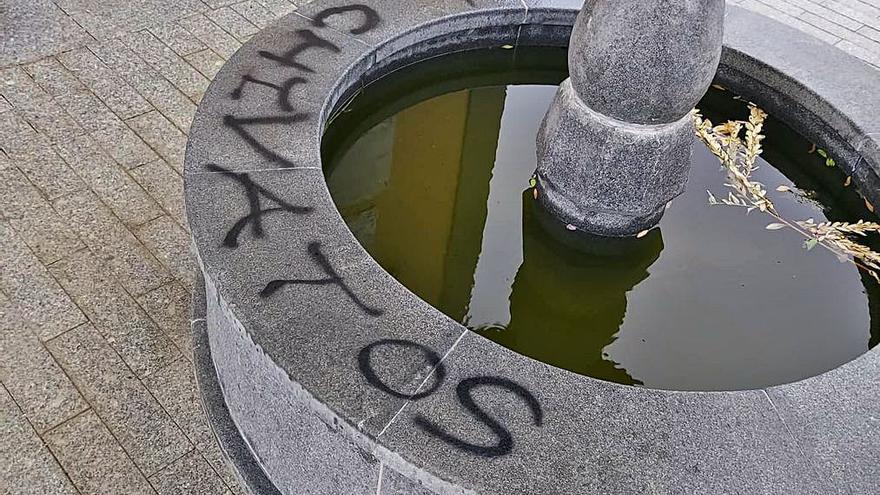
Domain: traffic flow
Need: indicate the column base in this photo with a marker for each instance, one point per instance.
(604, 176)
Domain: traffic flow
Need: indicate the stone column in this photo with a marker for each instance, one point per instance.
(615, 145)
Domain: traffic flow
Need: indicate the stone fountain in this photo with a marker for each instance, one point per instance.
(320, 373)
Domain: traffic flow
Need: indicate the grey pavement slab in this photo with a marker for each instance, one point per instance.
(189, 475)
(142, 427)
(93, 458)
(178, 39)
(37, 296)
(36, 106)
(165, 185)
(256, 13)
(147, 81)
(169, 307)
(43, 167)
(281, 7)
(34, 29)
(126, 147)
(108, 180)
(162, 136)
(91, 113)
(171, 245)
(206, 61)
(168, 63)
(31, 375)
(32, 217)
(26, 465)
(214, 37)
(232, 22)
(125, 326)
(105, 83)
(104, 19)
(175, 389)
(114, 245)
(17, 135)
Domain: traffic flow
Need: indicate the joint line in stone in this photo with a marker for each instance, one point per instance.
(379, 483)
(427, 377)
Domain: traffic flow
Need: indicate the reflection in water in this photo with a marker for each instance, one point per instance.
(437, 194)
(567, 305)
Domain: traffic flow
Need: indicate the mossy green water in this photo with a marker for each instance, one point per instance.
(430, 169)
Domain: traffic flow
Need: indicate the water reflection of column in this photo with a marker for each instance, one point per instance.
(568, 305)
(480, 142)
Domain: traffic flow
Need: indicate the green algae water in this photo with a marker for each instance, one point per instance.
(430, 169)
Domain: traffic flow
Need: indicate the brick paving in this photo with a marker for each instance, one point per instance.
(97, 394)
(96, 97)
(851, 25)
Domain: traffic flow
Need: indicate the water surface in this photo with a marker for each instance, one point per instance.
(431, 168)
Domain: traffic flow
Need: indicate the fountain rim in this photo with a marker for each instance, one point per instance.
(807, 99)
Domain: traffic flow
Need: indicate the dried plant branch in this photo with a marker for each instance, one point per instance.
(738, 156)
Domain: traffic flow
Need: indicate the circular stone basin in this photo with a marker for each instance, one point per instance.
(430, 169)
(321, 373)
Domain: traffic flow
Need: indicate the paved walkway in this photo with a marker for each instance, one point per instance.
(851, 25)
(96, 97)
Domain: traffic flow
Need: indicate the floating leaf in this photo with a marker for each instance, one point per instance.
(533, 182)
(829, 162)
(783, 189)
(848, 181)
(775, 226)
(535, 192)
(506, 47)
(822, 153)
(869, 206)
(810, 244)
(812, 149)
(571, 227)
(719, 87)
(642, 233)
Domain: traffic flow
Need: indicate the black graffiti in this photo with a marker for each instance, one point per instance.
(283, 89)
(505, 440)
(253, 192)
(371, 17)
(308, 40)
(239, 126)
(366, 366)
(503, 445)
(333, 278)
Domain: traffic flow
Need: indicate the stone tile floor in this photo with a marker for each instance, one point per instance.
(97, 394)
(851, 25)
